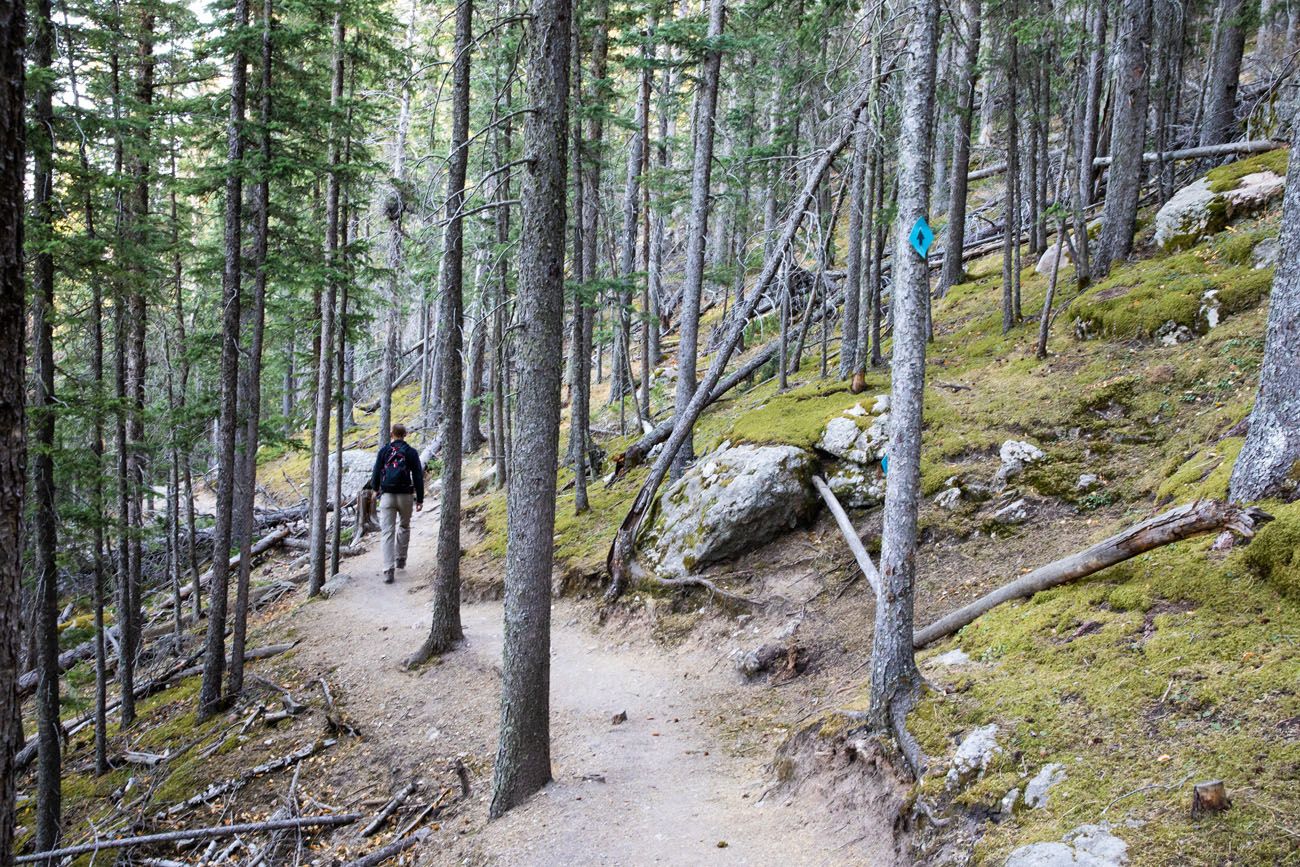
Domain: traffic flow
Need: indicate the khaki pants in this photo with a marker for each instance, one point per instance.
(395, 527)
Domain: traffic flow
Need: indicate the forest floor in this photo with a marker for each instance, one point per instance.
(662, 787)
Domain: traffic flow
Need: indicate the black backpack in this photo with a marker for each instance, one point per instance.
(396, 474)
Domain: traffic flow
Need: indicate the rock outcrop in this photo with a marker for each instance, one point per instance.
(1198, 210)
(730, 502)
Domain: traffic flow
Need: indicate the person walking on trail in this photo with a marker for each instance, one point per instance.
(399, 479)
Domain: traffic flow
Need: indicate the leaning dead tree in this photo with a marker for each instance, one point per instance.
(1184, 522)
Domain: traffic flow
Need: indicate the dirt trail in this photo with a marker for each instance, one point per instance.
(659, 788)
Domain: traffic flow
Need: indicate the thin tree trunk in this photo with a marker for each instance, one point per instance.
(13, 388)
(696, 230)
(580, 351)
(214, 661)
(895, 681)
(1219, 123)
(523, 763)
(42, 412)
(446, 628)
(253, 390)
(324, 369)
(1273, 437)
(1011, 234)
(1092, 100)
(955, 236)
(850, 346)
(1128, 133)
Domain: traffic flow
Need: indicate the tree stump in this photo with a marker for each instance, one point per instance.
(1209, 797)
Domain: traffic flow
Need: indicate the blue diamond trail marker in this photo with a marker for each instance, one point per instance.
(921, 236)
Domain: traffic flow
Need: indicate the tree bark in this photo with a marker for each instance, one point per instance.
(446, 628)
(45, 517)
(1273, 438)
(324, 369)
(13, 395)
(253, 390)
(895, 681)
(696, 230)
(1128, 134)
(1097, 24)
(1220, 120)
(214, 661)
(523, 763)
(968, 75)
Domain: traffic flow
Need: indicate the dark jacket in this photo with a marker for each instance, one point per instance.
(414, 481)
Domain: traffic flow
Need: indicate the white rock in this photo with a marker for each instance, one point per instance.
(839, 437)
(1085, 846)
(336, 585)
(1086, 482)
(1196, 211)
(1048, 259)
(1253, 193)
(948, 498)
(752, 494)
(1172, 334)
(973, 756)
(881, 404)
(1210, 307)
(1036, 790)
(1008, 804)
(857, 411)
(871, 443)
(1020, 451)
(860, 487)
(1012, 513)
(1265, 253)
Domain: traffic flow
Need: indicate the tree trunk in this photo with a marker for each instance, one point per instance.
(42, 412)
(1011, 208)
(214, 661)
(523, 763)
(253, 390)
(696, 230)
(895, 681)
(395, 209)
(446, 629)
(471, 417)
(620, 380)
(853, 264)
(324, 369)
(580, 349)
(1092, 100)
(13, 395)
(1273, 437)
(968, 75)
(1128, 132)
(1219, 123)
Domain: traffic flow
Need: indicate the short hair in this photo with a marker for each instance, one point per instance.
(399, 431)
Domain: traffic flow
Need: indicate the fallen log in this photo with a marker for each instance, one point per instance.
(1256, 146)
(294, 544)
(383, 853)
(192, 834)
(388, 809)
(1183, 522)
(850, 534)
(67, 659)
(261, 546)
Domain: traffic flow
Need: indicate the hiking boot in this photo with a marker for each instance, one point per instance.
(401, 564)
(388, 576)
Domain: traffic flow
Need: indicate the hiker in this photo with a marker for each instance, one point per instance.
(399, 478)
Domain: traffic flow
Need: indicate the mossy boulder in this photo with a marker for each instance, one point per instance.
(730, 502)
(1206, 206)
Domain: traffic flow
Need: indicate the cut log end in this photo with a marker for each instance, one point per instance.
(1209, 797)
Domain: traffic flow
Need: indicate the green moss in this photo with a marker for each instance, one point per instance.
(1176, 665)
(798, 416)
(1205, 474)
(1274, 554)
(1225, 178)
